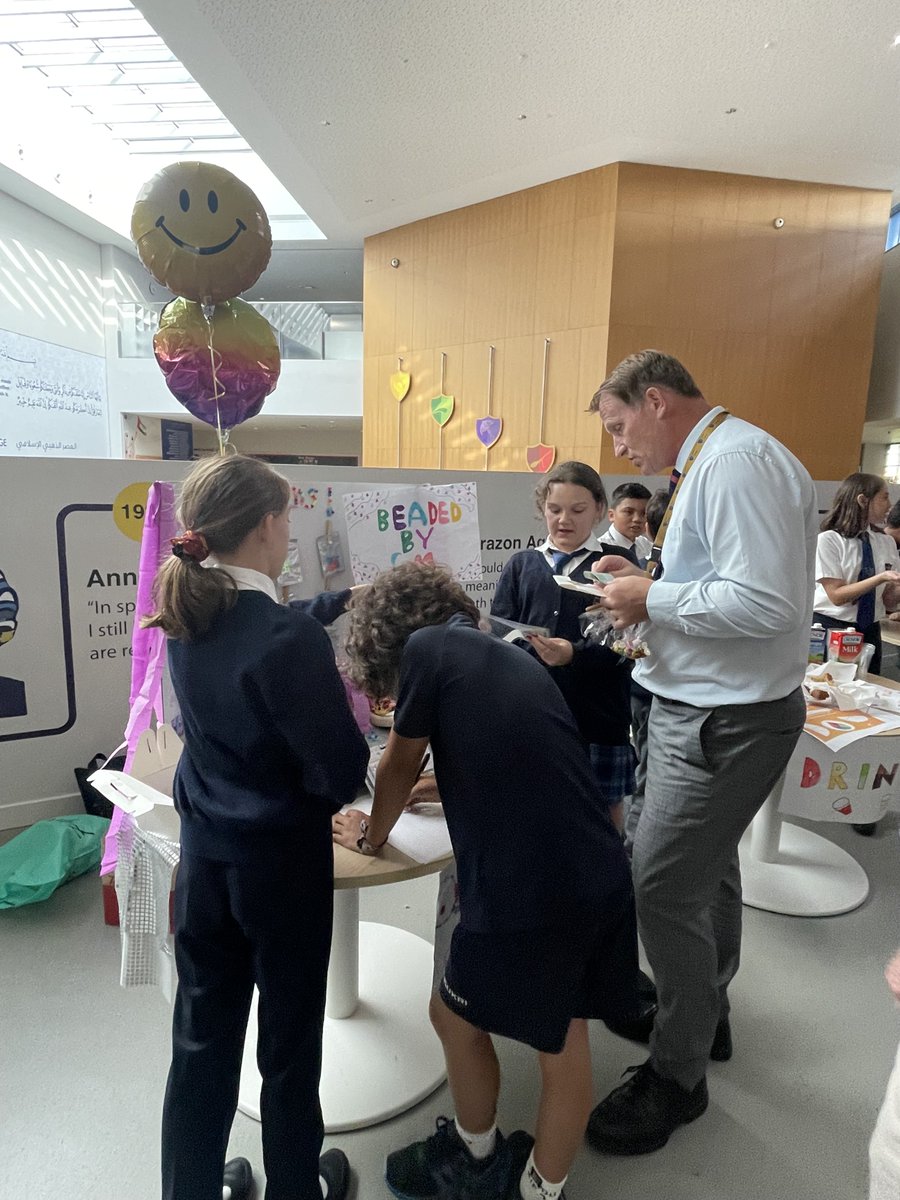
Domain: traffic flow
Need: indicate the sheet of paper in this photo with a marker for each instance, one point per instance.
(421, 835)
(511, 631)
(132, 795)
(572, 585)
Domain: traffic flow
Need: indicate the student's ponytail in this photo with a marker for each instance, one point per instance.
(222, 501)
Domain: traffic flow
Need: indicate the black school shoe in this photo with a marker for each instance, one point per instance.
(442, 1167)
(642, 1114)
(335, 1170)
(238, 1175)
(639, 1027)
(722, 1049)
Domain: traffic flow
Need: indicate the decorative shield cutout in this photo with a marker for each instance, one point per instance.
(400, 381)
(442, 409)
(540, 457)
(488, 430)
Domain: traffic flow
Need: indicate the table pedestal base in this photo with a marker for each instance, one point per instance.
(803, 875)
(385, 1057)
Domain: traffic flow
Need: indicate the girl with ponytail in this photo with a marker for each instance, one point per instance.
(271, 751)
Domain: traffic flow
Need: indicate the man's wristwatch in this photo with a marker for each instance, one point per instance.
(363, 845)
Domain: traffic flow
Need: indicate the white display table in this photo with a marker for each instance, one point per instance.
(380, 1055)
(789, 869)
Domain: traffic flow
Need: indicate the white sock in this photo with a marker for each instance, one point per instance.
(226, 1192)
(324, 1186)
(479, 1145)
(533, 1186)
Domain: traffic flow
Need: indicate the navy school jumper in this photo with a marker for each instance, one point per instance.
(597, 682)
(271, 752)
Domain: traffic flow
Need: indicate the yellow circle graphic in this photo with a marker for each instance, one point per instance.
(129, 508)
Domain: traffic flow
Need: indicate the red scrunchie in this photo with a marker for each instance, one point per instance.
(190, 545)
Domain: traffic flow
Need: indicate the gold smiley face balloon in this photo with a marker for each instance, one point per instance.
(201, 232)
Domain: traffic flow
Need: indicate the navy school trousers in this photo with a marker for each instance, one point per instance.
(265, 922)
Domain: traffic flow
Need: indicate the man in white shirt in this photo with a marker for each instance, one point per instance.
(726, 622)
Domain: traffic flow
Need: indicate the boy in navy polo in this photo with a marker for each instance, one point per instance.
(547, 930)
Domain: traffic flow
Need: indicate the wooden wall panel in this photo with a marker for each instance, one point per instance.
(776, 323)
(508, 272)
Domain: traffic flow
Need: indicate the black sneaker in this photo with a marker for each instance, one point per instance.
(642, 1114)
(335, 1170)
(466, 1178)
(426, 1170)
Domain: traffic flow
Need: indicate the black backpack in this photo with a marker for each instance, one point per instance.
(94, 803)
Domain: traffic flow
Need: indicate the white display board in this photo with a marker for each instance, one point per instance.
(52, 400)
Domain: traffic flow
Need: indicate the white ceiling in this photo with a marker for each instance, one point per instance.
(97, 85)
(374, 115)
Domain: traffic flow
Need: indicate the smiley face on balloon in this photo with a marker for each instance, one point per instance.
(201, 232)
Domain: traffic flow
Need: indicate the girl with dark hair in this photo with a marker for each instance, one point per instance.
(857, 564)
(594, 680)
(547, 934)
(271, 751)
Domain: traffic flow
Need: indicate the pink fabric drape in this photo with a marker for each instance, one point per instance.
(148, 646)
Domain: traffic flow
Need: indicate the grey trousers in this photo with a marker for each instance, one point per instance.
(708, 772)
(640, 720)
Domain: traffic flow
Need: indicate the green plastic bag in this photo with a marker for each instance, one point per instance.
(38, 860)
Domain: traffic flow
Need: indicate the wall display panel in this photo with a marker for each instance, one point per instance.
(66, 671)
(52, 400)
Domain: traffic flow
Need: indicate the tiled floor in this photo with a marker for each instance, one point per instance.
(83, 1063)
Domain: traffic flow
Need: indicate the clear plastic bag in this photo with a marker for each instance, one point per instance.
(597, 629)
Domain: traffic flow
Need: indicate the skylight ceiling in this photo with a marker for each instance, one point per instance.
(96, 103)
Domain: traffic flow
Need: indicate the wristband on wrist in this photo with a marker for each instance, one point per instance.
(363, 845)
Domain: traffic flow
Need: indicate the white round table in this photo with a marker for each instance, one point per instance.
(380, 1055)
(791, 870)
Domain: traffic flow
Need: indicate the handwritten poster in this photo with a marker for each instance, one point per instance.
(391, 525)
(52, 400)
(859, 783)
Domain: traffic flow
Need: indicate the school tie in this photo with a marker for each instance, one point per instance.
(561, 559)
(865, 610)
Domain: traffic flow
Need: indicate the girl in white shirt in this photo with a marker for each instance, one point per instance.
(857, 565)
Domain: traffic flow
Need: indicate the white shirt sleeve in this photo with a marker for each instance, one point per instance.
(834, 555)
(747, 525)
